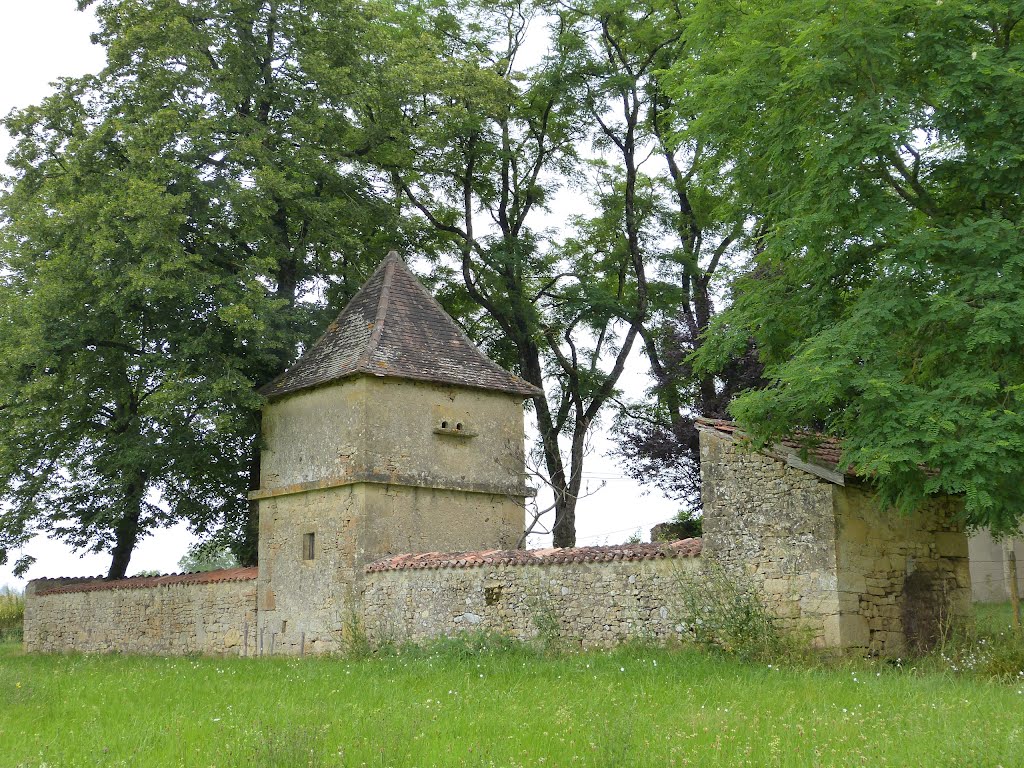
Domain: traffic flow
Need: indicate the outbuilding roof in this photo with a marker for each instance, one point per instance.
(393, 327)
(812, 452)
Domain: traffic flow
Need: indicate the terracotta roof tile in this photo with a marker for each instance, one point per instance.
(145, 582)
(435, 560)
(394, 327)
(821, 449)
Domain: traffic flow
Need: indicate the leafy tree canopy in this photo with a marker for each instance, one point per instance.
(170, 231)
(883, 142)
(479, 143)
(207, 556)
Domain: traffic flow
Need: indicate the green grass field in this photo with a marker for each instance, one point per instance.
(479, 704)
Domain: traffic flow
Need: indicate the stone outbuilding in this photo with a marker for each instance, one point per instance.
(827, 558)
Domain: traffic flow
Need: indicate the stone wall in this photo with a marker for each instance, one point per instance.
(902, 579)
(212, 614)
(588, 597)
(772, 524)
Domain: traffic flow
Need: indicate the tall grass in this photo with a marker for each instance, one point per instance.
(12, 613)
(487, 701)
(992, 649)
(484, 702)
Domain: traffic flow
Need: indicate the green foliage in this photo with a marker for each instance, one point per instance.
(883, 142)
(207, 556)
(685, 525)
(168, 227)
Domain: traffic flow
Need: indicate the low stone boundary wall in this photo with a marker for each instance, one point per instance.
(206, 613)
(593, 597)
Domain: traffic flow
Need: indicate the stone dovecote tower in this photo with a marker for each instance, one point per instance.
(394, 433)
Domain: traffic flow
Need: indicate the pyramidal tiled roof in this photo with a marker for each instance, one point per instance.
(394, 327)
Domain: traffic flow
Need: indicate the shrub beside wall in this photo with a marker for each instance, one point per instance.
(12, 614)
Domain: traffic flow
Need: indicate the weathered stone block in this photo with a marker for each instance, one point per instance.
(950, 544)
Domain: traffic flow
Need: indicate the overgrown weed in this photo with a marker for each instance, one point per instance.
(12, 614)
(549, 627)
(991, 649)
(356, 643)
(273, 745)
(725, 613)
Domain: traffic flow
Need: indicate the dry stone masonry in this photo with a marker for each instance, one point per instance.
(587, 597)
(212, 614)
(395, 439)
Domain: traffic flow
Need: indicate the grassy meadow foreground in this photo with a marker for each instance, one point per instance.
(482, 702)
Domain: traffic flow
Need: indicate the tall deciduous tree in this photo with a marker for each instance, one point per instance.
(166, 224)
(884, 143)
(479, 144)
(674, 213)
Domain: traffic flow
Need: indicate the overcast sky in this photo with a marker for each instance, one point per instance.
(43, 40)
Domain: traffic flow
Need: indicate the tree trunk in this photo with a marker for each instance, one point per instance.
(126, 534)
(564, 529)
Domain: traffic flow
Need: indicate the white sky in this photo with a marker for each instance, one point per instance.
(43, 40)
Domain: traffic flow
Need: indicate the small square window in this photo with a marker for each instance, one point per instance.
(308, 546)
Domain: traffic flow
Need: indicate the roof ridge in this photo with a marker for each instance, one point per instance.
(382, 310)
(690, 547)
(220, 575)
